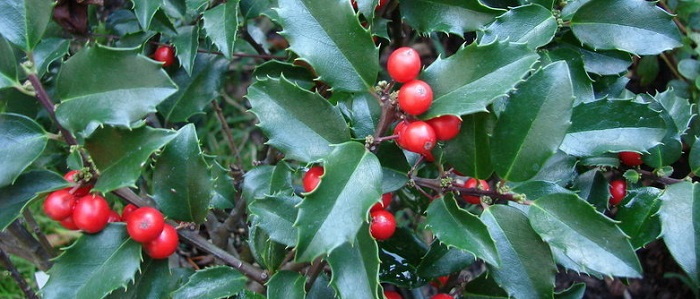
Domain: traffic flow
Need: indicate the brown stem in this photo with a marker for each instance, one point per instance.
(38, 233)
(314, 271)
(7, 263)
(227, 133)
(45, 101)
(663, 180)
(247, 37)
(20, 242)
(436, 185)
(673, 66)
(224, 230)
(680, 25)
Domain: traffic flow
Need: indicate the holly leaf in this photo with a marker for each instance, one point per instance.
(694, 157)
(113, 259)
(677, 113)
(121, 154)
(212, 282)
(286, 285)
(300, 123)
(533, 124)
(23, 140)
(441, 260)
(181, 180)
(268, 253)
(101, 85)
(151, 282)
(571, 225)
(449, 16)
(338, 48)
(145, 10)
(8, 65)
(530, 266)
(197, 88)
(679, 223)
(582, 84)
(530, 24)
(576, 291)
(470, 152)
(48, 51)
(332, 214)
(276, 215)
(186, 43)
(355, 267)
(456, 227)
(362, 109)
(627, 126)
(594, 188)
(276, 69)
(461, 90)
(638, 216)
(15, 198)
(221, 26)
(634, 26)
(23, 22)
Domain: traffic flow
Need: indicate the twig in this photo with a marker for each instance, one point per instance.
(21, 243)
(673, 66)
(38, 233)
(314, 271)
(247, 37)
(227, 133)
(7, 263)
(436, 185)
(664, 180)
(225, 229)
(675, 18)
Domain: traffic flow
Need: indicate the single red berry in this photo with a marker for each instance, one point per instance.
(69, 224)
(164, 245)
(165, 54)
(403, 64)
(630, 158)
(312, 178)
(415, 97)
(440, 281)
(59, 205)
(113, 217)
(126, 212)
(618, 190)
(383, 225)
(398, 130)
(392, 295)
(91, 213)
(471, 183)
(442, 296)
(145, 224)
(386, 200)
(418, 137)
(446, 127)
(381, 5)
(71, 178)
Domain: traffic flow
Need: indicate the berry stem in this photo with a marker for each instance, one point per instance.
(7, 264)
(38, 233)
(386, 118)
(435, 185)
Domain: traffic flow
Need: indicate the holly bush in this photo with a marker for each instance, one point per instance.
(219, 137)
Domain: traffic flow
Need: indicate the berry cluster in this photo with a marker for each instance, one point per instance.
(147, 226)
(618, 187)
(395, 295)
(415, 98)
(383, 223)
(471, 183)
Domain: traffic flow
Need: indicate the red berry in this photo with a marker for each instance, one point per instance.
(386, 200)
(440, 281)
(312, 178)
(59, 205)
(381, 4)
(392, 295)
(442, 296)
(618, 190)
(403, 64)
(383, 225)
(145, 224)
(91, 213)
(398, 130)
(446, 127)
(69, 224)
(418, 137)
(630, 158)
(126, 212)
(415, 97)
(71, 177)
(471, 183)
(164, 245)
(113, 217)
(165, 54)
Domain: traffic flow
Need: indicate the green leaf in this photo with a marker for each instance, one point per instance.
(181, 181)
(530, 267)
(14, 198)
(23, 140)
(441, 260)
(186, 43)
(449, 16)
(677, 113)
(355, 267)
(268, 253)
(694, 157)
(397, 270)
(594, 188)
(456, 227)
(350, 185)
(101, 85)
(634, 26)
(300, 123)
(494, 70)
(484, 286)
(689, 68)
(582, 84)
(647, 70)
(276, 215)
(545, 3)
(346, 59)
(276, 69)
(8, 65)
(94, 265)
(559, 169)
(537, 189)
(151, 282)
(224, 190)
(254, 8)
(121, 154)
(534, 123)
(321, 288)
(366, 7)
(221, 26)
(679, 222)
(470, 152)
(286, 285)
(23, 22)
(394, 166)
(530, 24)
(362, 109)
(145, 10)
(407, 244)
(638, 216)
(197, 88)
(571, 225)
(48, 51)
(576, 291)
(213, 282)
(626, 126)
